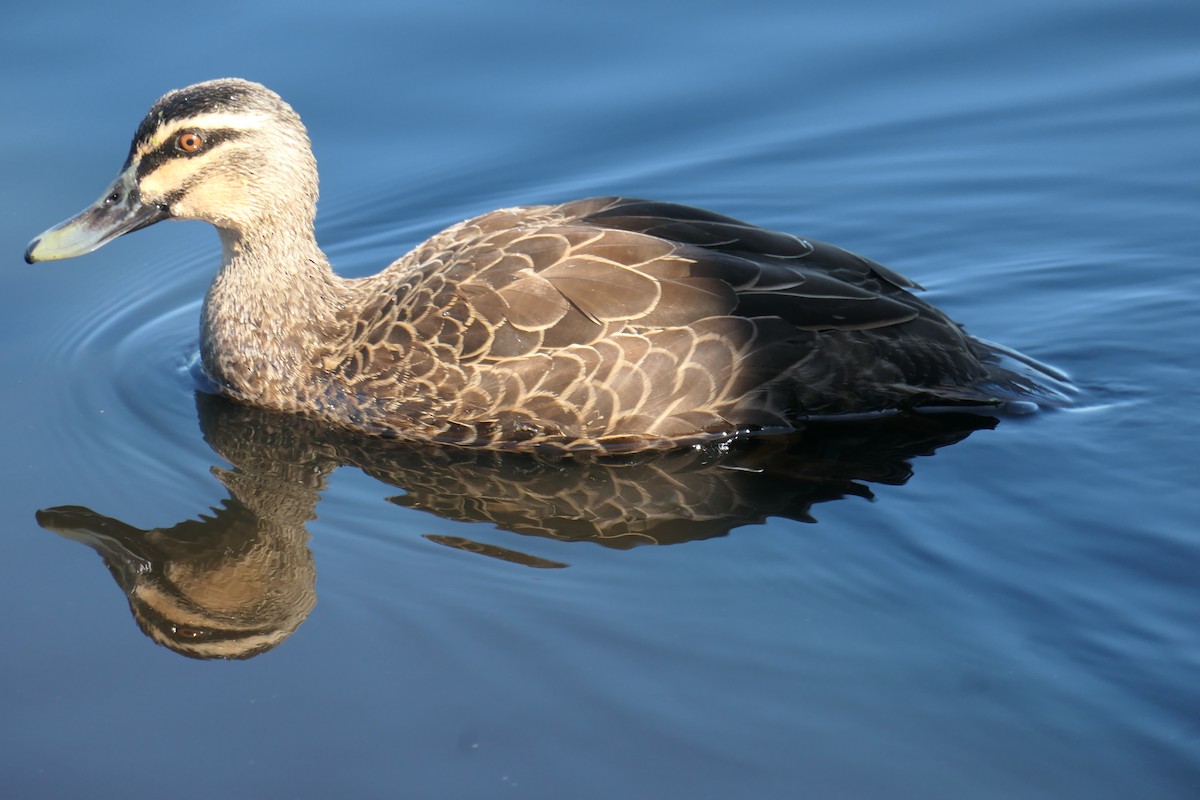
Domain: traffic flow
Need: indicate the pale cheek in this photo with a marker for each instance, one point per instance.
(215, 201)
(162, 181)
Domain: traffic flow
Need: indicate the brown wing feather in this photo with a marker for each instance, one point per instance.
(626, 324)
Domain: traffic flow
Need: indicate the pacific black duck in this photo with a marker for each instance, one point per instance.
(600, 324)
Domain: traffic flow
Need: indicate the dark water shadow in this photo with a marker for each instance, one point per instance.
(239, 580)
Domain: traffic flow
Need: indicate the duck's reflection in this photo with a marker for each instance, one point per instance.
(240, 580)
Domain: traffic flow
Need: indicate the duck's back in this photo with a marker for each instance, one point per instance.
(623, 324)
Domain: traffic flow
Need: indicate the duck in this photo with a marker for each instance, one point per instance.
(607, 324)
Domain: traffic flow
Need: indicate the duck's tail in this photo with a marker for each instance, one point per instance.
(1019, 384)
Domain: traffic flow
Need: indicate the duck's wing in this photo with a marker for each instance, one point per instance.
(608, 318)
(542, 278)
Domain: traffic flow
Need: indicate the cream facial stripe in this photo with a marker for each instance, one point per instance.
(218, 120)
(169, 176)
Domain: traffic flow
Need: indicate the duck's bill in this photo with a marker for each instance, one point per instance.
(119, 210)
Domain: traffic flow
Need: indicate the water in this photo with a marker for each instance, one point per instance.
(1016, 618)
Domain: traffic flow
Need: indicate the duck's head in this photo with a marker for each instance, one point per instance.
(229, 152)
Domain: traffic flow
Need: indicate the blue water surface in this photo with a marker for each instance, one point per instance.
(1016, 619)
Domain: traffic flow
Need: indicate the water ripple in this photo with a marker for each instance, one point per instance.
(122, 363)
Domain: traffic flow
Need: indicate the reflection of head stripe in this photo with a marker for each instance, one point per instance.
(217, 642)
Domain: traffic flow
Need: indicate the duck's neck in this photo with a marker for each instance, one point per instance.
(271, 304)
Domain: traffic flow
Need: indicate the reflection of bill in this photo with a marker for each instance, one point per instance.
(240, 579)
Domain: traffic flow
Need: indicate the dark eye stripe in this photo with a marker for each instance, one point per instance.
(167, 150)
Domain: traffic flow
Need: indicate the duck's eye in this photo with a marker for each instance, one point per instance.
(189, 142)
